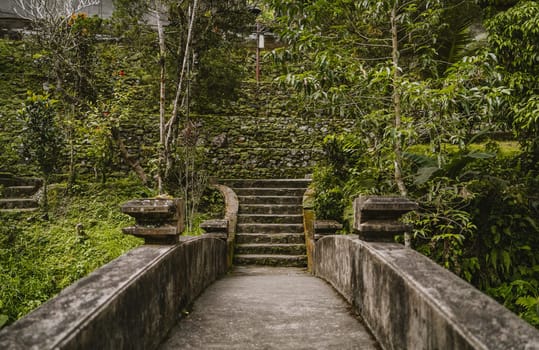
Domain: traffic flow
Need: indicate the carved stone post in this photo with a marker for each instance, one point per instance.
(376, 218)
(158, 220)
(216, 227)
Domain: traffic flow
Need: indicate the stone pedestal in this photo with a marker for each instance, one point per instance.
(376, 218)
(158, 220)
(216, 228)
(325, 228)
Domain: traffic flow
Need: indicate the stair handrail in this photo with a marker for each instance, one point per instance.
(231, 216)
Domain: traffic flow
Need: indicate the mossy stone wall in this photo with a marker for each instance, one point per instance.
(264, 146)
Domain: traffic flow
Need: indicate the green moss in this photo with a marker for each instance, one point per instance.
(505, 148)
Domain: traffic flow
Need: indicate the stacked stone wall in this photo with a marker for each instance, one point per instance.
(249, 146)
(264, 146)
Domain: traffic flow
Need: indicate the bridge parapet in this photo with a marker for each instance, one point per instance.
(130, 303)
(410, 302)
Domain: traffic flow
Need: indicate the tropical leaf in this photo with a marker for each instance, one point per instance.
(3, 320)
(420, 160)
(425, 174)
(480, 155)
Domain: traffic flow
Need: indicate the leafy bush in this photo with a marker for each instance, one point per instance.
(17, 75)
(349, 168)
(479, 219)
(212, 203)
(478, 213)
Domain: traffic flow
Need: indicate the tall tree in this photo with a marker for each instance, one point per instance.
(42, 138)
(189, 33)
(514, 39)
(64, 38)
(364, 59)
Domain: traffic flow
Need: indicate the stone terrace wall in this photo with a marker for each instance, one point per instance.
(258, 136)
(250, 145)
(265, 146)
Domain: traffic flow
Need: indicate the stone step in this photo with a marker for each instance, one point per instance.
(270, 219)
(18, 191)
(266, 183)
(271, 260)
(270, 248)
(275, 238)
(260, 200)
(270, 228)
(18, 203)
(18, 211)
(270, 209)
(7, 180)
(259, 191)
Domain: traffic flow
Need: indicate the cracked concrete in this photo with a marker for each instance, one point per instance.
(257, 307)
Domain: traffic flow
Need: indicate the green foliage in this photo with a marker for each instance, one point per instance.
(329, 200)
(218, 80)
(516, 30)
(478, 209)
(42, 138)
(478, 212)
(521, 297)
(212, 203)
(511, 31)
(482, 224)
(349, 168)
(338, 53)
(17, 75)
(40, 258)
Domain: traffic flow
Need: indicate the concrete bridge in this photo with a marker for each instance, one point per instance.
(356, 292)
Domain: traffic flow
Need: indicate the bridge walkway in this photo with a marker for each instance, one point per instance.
(261, 307)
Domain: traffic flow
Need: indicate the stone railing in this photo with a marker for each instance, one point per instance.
(133, 301)
(225, 228)
(407, 300)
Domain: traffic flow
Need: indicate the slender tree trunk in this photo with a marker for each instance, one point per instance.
(162, 96)
(45, 197)
(171, 125)
(71, 137)
(397, 100)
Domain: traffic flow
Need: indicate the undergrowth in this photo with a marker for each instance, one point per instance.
(38, 258)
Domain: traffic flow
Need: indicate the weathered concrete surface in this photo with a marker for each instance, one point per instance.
(130, 303)
(410, 302)
(270, 308)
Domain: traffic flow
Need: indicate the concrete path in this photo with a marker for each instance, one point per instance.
(258, 307)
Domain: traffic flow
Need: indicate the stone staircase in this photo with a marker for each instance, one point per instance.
(270, 222)
(16, 193)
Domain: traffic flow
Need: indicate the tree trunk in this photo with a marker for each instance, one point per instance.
(171, 126)
(397, 100)
(162, 99)
(45, 202)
